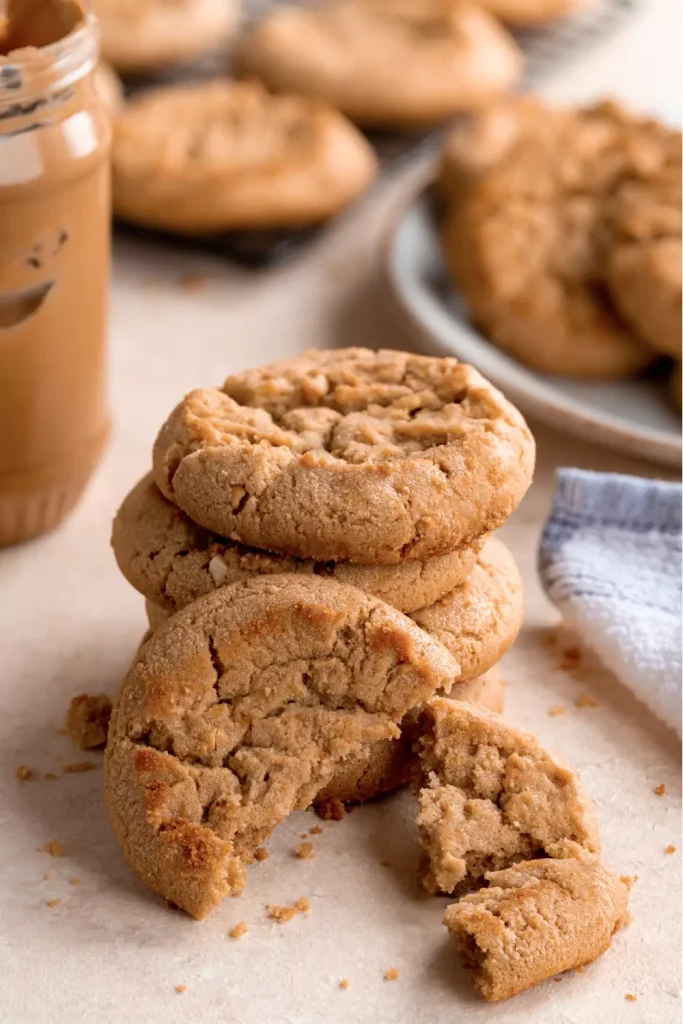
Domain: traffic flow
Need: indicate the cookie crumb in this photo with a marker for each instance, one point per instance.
(23, 773)
(48, 877)
(194, 281)
(260, 853)
(305, 851)
(584, 700)
(344, 983)
(555, 710)
(580, 969)
(303, 905)
(670, 849)
(238, 930)
(628, 880)
(391, 975)
(77, 767)
(304, 835)
(558, 977)
(75, 881)
(331, 810)
(180, 989)
(50, 776)
(54, 848)
(87, 720)
(284, 914)
(317, 830)
(660, 790)
(53, 903)
(630, 997)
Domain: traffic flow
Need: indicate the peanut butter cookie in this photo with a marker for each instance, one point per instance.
(535, 920)
(388, 64)
(479, 620)
(238, 711)
(170, 560)
(523, 246)
(389, 764)
(492, 796)
(215, 156)
(145, 35)
(642, 248)
(349, 454)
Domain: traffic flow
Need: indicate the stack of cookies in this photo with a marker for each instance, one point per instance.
(384, 471)
(563, 233)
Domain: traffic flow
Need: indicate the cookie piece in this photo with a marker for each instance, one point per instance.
(535, 920)
(528, 12)
(146, 35)
(523, 245)
(492, 796)
(348, 454)
(479, 620)
(215, 156)
(642, 248)
(238, 710)
(87, 720)
(388, 64)
(389, 764)
(172, 562)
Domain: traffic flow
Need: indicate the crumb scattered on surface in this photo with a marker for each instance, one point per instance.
(284, 914)
(50, 776)
(558, 977)
(670, 849)
(87, 720)
(238, 930)
(180, 989)
(317, 830)
(331, 810)
(584, 700)
(194, 281)
(260, 853)
(304, 835)
(344, 983)
(660, 790)
(53, 903)
(305, 851)
(391, 975)
(76, 767)
(628, 880)
(54, 848)
(48, 877)
(75, 881)
(23, 773)
(580, 969)
(555, 710)
(630, 997)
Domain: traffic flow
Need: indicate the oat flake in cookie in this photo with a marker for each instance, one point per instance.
(348, 454)
(239, 709)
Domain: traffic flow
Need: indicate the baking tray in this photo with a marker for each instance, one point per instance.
(546, 50)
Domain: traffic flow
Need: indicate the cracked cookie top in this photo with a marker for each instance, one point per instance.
(348, 454)
(237, 712)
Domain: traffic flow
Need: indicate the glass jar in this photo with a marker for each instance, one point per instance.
(55, 229)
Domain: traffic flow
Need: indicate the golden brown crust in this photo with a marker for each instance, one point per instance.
(535, 920)
(172, 561)
(385, 63)
(218, 155)
(524, 244)
(373, 457)
(237, 712)
(492, 796)
(479, 620)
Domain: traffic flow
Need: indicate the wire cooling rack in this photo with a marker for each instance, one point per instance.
(546, 51)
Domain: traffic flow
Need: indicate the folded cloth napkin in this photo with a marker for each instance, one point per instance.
(610, 560)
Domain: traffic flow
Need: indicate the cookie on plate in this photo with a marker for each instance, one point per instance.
(385, 766)
(642, 246)
(238, 711)
(479, 620)
(172, 561)
(523, 245)
(492, 797)
(389, 64)
(215, 156)
(535, 920)
(146, 35)
(348, 454)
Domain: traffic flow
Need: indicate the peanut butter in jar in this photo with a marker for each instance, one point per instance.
(54, 263)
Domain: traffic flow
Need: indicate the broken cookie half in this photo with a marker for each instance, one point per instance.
(239, 710)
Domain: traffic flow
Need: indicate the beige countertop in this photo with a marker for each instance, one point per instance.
(112, 952)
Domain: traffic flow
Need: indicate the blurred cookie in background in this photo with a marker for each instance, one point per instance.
(524, 243)
(530, 12)
(214, 156)
(109, 87)
(140, 36)
(385, 63)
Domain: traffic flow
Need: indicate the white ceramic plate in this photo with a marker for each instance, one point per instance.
(632, 416)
